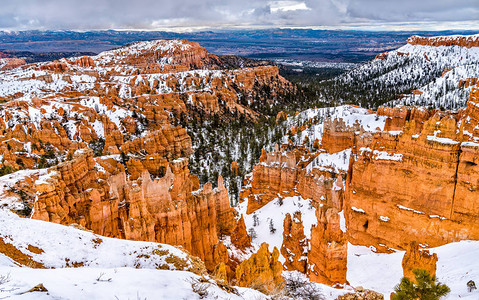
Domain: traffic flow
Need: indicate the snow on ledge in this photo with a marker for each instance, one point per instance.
(382, 155)
(410, 209)
(446, 141)
(359, 210)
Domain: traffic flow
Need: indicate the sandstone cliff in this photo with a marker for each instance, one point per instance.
(170, 209)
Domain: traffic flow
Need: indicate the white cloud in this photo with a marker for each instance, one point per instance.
(280, 6)
(222, 14)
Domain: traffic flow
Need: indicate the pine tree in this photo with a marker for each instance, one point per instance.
(252, 233)
(272, 230)
(424, 288)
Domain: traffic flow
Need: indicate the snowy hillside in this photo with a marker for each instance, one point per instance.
(457, 264)
(85, 265)
(434, 70)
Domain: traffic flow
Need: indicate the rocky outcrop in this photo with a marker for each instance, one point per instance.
(55, 66)
(295, 244)
(327, 258)
(275, 174)
(394, 212)
(11, 63)
(462, 41)
(414, 258)
(468, 82)
(261, 271)
(164, 210)
(361, 294)
(337, 136)
(240, 237)
(283, 173)
(85, 62)
(403, 116)
(235, 169)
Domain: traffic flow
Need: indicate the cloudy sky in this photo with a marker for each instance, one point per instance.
(187, 15)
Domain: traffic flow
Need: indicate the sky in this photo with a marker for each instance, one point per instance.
(195, 15)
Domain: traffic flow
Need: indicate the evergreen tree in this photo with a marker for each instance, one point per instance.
(424, 288)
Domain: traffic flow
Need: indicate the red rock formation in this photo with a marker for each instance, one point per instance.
(468, 82)
(11, 63)
(418, 259)
(240, 237)
(462, 41)
(337, 136)
(164, 210)
(417, 92)
(262, 270)
(427, 189)
(55, 66)
(295, 244)
(235, 169)
(84, 62)
(327, 258)
(445, 71)
(382, 56)
(275, 173)
(403, 116)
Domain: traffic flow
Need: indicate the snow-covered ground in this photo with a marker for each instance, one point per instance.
(274, 213)
(109, 268)
(337, 162)
(106, 283)
(381, 272)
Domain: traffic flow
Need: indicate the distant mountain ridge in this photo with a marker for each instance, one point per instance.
(305, 44)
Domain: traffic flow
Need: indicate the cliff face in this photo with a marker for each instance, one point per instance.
(426, 187)
(283, 173)
(400, 116)
(462, 41)
(170, 209)
(275, 174)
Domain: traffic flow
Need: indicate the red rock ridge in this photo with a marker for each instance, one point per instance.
(463, 41)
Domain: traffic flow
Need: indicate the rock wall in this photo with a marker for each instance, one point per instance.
(405, 187)
(170, 209)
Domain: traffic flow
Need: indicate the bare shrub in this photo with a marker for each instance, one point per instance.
(298, 287)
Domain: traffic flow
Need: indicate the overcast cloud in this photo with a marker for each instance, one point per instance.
(228, 14)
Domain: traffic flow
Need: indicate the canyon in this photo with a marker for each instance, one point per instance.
(97, 143)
